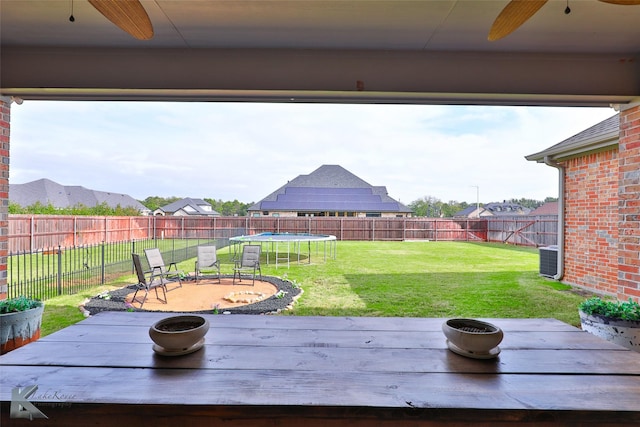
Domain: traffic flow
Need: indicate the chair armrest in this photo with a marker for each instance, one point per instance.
(157, 272)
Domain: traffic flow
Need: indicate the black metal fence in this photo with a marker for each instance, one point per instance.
(44, 274)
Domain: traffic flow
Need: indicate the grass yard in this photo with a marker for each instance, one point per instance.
(431, 279)
(409, 279)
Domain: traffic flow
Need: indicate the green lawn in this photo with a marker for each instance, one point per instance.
(431, 279)
(411, 279)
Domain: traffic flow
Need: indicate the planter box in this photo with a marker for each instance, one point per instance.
(622, 332)
(19, 328)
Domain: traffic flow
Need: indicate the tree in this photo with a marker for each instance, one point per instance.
(433, 207)
(154, 202)
(531, 203)
(229, 208)
(80, 210)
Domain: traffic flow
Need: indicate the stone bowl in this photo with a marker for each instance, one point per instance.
(178, 334)
(473, 336)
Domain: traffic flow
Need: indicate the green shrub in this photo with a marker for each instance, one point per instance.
(18, 304)
(629, 310)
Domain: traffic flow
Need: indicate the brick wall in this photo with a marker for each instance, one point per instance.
(629, 205)
(5, 118)
(591, 221)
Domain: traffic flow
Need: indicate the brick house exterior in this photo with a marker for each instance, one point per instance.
(600, 174)
(629, 204)
(5, 120)
(591, 221)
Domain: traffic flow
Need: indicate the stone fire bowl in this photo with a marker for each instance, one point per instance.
(472, 337)
(179, 334)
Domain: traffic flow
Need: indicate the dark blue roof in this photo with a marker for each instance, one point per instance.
(330, 188)
(329, 199)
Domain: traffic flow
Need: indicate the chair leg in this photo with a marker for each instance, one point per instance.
(134, 296)
(143, 298)
(179, 284)
(164, 291)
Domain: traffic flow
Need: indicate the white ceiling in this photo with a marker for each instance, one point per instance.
(317, 50)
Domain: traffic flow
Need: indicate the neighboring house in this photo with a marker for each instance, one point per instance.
(186, 207)
(598, 207)
(330, 190)
(472, 211)
(549, 208)
(506, 209)
(48, 192)
(492, 209)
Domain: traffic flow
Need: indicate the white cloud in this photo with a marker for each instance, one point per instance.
(245, 151)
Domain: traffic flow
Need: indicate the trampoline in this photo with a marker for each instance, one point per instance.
(285, 244)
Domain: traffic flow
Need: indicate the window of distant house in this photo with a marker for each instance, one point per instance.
(276, 215)
(256, 214)
(265, 213)
(374, 214)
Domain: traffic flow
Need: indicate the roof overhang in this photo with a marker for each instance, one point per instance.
(581, 147)
(326, 76)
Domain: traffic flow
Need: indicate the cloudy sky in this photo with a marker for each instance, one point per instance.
(246, 151)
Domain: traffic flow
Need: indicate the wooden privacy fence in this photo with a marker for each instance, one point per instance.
(535, 231)
(29, 233)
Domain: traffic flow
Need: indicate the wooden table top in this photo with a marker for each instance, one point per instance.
(329, 369)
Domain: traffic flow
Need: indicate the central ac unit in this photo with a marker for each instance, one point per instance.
(549, 261)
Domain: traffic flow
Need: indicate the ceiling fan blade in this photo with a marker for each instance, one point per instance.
(516, 13)
(622, 2)
(128, 15)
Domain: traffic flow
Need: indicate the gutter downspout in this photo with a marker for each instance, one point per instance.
(560, 273)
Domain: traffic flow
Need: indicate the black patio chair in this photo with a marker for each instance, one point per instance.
(154, 282)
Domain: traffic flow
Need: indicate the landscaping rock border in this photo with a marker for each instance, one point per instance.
(274, 304)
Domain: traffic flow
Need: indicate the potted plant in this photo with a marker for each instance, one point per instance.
(615, 321)
(20, 320)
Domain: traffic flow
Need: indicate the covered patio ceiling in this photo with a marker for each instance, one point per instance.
(385, 51)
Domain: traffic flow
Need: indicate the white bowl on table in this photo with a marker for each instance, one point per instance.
(473, 338)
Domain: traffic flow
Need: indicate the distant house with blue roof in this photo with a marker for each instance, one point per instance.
(187, 207)
(492, 209)
(472, 211)
(48, 192)
(506, 209)
(330, 190)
